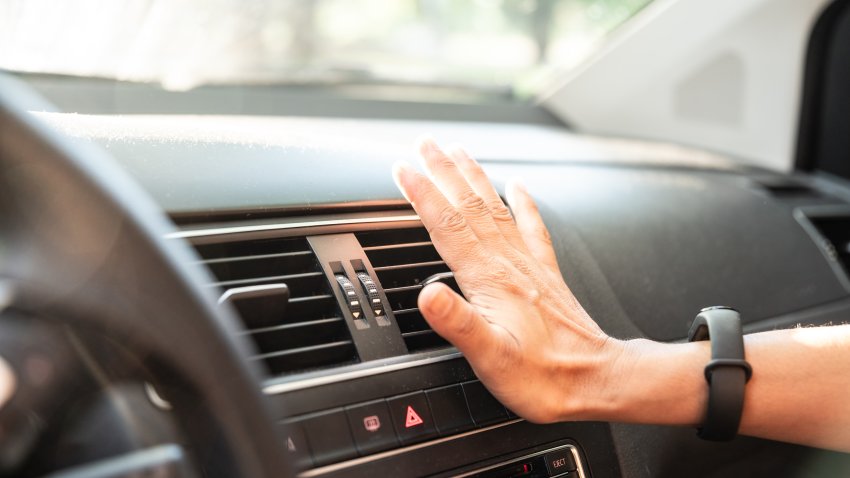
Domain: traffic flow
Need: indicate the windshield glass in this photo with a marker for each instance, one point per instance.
(485, 44)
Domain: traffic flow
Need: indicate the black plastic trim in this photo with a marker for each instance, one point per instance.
(804, 216)
(236, 214)
(813, 95)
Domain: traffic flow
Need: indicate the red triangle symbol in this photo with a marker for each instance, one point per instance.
(413, 418)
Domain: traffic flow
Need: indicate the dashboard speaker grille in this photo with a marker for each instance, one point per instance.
(403, 259)
(295, 328)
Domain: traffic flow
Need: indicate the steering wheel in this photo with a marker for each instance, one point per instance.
(82, 248)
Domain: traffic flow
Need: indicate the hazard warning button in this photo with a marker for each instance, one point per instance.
(412, 418)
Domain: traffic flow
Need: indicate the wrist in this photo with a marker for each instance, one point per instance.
(652, 382)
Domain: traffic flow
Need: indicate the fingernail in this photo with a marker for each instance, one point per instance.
(441, 302)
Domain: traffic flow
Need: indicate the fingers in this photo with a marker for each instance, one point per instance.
(459, 205)
(446, 174)
(452, 236)
(531, 226)
(459, 322)
(480, 183)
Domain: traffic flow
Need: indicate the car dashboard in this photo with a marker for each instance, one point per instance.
(299, 228)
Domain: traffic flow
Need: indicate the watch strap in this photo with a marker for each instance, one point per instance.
(727, 373)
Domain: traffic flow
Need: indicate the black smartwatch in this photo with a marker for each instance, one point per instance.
(727, 373)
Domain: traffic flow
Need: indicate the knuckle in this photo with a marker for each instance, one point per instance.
(443, 162)
(449, 220)
(471, 203)
(500, 213)
(499, 273)
(532, 295)
(521, 264)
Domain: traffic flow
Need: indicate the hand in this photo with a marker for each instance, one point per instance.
(534, 346)
(522, 330)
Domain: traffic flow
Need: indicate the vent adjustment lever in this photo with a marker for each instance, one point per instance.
(351, 301)
(375, 302)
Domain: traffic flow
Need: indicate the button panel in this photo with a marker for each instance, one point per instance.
(538, 464)
(372, 427)
(412, 418)
(448, 405)
(484, 407)
(296, 446)
(329, 437)
(378, 425)
(559, 461)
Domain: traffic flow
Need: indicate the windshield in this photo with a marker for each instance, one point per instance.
(510, 45)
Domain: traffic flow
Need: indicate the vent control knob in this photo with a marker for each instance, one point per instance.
(351, 299)
(374, 298)
(372, 291)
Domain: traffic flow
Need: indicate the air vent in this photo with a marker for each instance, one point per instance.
(836, 232)
(295, 328)
(403, 259)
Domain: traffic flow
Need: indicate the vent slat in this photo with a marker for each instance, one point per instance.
(299, 284)
(412, 322)
(329, 355)
(254, 269)
(411, 265)
(417, 333)
(405, 275)
(316, 307)
(306, 331)
(405, 311)
(252, 248)
(406, 298)
(398, 246)
(427, 339)
(301, 350)
(300, 335)
(402, 260)
(393, 236)
(259, 257)
(421, 252)
(293, 325)
(403, 289)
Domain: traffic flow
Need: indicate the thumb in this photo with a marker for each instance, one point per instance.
(456, 320)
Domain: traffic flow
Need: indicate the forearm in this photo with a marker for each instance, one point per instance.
(800, 386)
(798, 392)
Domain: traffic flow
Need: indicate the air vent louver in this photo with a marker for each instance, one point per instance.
(307, 331)
(836, 231)
(402, 259)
